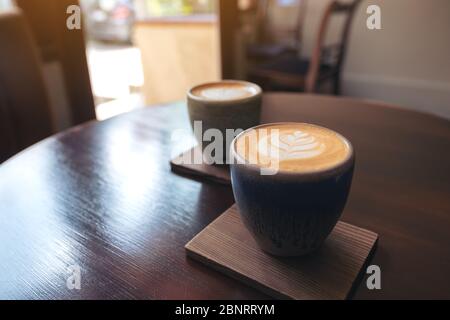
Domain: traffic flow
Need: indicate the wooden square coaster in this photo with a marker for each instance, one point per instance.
(329, 273)
(184, 165)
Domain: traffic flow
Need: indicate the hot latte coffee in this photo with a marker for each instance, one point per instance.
(290, 182)
(224, 106)
(297, 147)
(225, 90)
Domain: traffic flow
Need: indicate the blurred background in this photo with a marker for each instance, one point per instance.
(139, 53)
(146, 41)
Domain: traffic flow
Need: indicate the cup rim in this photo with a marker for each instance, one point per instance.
(221, 102)
(319, 173)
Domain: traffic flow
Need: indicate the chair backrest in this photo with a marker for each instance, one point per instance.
(336, 52)
(64, 49)
(267, 33)
(24, 108)
(8, 144)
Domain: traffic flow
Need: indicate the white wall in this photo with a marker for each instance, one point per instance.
(407, 62)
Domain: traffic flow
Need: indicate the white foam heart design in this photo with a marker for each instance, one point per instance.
(299, 145)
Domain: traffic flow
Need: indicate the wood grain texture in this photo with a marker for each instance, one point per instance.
(329, 273)
(102, 196)
(184, 164)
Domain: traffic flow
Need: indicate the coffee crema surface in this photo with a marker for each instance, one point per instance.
(297, 147)
(222, 91)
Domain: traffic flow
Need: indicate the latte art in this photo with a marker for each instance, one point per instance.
(223, 93)
(226, 90)
(297, 147)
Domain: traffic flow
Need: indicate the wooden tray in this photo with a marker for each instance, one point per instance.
(329, 273)
(214, 173)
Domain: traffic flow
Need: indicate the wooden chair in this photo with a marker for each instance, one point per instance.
(24, 109)
(291, 73)
(270, 42)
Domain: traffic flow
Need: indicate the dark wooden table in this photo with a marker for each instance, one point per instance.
(102, 196)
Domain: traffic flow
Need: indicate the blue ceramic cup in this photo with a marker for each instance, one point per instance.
(291, 213)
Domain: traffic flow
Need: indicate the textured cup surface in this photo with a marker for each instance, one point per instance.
(291, 212)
